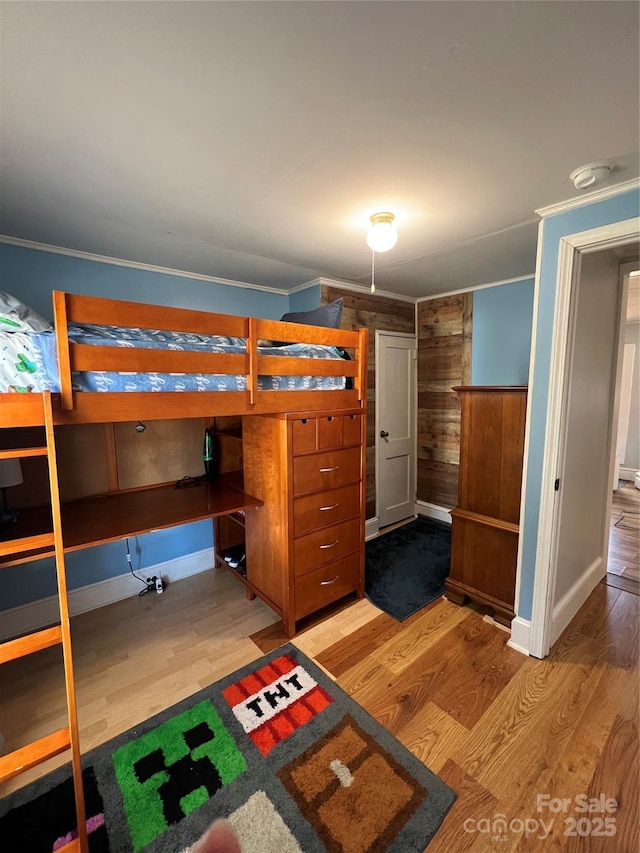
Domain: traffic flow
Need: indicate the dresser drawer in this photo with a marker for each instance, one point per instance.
(329, 432)
(351, 425)
(323, 546)
(303, 435)
(323, 470)
(326, 584)
(326, 432)
(323, 508)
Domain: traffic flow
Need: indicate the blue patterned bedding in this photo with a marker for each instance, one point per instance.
(28, 362)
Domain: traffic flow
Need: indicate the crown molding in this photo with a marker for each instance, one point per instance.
(329, 282)
(136, 265)
(361, 288)
(477, 287)
(589, 198)
(305, 286)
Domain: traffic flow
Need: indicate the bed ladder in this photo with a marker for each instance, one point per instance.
(66, 738)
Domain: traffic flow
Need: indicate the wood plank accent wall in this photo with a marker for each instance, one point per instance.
(374, 312)
(444, 360)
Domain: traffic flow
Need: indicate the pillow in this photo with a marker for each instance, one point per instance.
(326, 315)
(15, 316)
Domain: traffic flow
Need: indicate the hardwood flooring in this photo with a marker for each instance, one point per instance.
(500, 728)
(623, 568)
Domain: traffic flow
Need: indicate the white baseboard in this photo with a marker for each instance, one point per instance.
(520, 635)
(627, 473)
(371, 528)
(38, 614)
(439, 513)
(575, 597)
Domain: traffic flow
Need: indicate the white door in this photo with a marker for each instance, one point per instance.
(584, 475)
(395, 426)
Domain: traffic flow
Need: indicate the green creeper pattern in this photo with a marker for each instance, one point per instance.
(143, 804)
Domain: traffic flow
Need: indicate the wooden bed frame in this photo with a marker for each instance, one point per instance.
(110, 407)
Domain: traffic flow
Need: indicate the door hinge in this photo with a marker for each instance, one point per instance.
(556, 486)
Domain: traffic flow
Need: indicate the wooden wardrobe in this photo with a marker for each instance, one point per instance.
(486, 521)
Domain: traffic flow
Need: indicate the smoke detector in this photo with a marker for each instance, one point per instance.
(591, 174)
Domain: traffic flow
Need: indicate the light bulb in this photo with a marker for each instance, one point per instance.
(382, 236)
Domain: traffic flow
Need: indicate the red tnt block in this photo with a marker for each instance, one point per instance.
(276, 700)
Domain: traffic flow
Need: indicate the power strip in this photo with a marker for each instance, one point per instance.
(155, 584)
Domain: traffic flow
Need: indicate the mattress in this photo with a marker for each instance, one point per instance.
(28, 362)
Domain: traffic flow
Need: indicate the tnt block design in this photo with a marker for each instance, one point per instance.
(173, 769)
(273, 702)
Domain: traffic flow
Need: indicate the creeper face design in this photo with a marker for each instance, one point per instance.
(173, 769)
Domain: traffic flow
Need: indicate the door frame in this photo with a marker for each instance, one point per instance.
(414, 399)
(569, 255)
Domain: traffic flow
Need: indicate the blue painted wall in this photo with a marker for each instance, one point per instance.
(501, 338)
(595, 215)
(32, 581)
(31, 275)
(305, 300)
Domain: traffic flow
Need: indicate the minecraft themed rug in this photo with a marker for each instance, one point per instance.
(276, 747)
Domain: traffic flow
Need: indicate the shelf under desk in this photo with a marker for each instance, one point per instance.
(107, 518)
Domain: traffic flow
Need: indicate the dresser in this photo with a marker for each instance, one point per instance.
(305, 545)
(485, 523)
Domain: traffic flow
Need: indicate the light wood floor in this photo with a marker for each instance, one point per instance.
(499, 727)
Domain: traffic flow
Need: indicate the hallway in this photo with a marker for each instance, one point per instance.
(623, 569)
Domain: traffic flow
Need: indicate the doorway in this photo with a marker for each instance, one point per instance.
(567, 567)
(395, 426)
(623, 564)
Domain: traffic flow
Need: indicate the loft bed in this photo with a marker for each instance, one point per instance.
(256, 367)
(87, 345)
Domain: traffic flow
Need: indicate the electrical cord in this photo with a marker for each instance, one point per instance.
(189, 481)
(144, 583)
(625, 514)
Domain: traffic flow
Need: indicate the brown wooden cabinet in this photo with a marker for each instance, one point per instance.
(305, 546)
(485, 523)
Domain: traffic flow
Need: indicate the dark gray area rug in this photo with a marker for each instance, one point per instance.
(277, 747)
(406, 569)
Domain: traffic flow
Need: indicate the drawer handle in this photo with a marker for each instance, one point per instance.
(333, 506)
(326, 583)
(330, 545)
(326, 470)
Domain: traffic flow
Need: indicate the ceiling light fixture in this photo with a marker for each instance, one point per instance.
(381, 237)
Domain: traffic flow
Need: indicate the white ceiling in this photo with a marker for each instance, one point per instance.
(252, 140)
